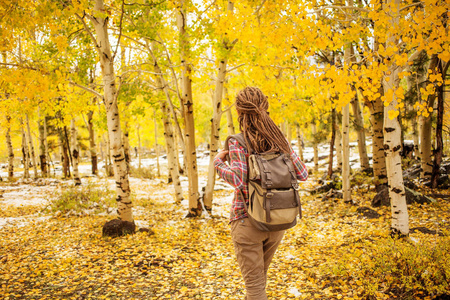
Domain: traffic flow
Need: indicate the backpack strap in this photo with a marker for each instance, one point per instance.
(294, 182)
(238, 137)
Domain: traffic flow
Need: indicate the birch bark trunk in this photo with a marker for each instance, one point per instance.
(10, 148)
(333, 138)
(158, 169)
(172, 159)
(195, 208)
(64, 153)
(92, 145)
(425, 130)
(75, 152)
(31, 147)
(315, 147)
(346, 191)
(26, 163)
(217, 116)
(214, 135)
(230, 124)
(392, 137)
(338, 144)
(442, 69)
(361, 134)
(42, 155)
(124, 205)
(378, 157)
(126, 145)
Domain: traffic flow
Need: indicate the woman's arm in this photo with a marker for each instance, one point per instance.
(234, 173)
(300, 168)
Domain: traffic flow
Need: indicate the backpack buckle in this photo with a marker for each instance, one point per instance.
(269, 195)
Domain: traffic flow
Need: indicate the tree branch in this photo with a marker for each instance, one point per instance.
(411, 5)
(89, 32)
(259, 8)
(87, 89)
(232, 69)
(120, 30)
(340, 7)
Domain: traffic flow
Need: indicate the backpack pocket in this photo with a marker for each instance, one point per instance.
(273, 207)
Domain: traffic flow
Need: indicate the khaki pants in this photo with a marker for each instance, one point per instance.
(254, 251)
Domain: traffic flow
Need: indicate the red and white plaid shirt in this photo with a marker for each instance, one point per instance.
(236, 175)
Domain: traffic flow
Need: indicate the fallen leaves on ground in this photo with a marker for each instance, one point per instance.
(67, 258)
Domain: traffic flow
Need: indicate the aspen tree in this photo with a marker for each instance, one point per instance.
(100, 22)
(399, 219)
(299, 141)
(425, 129)
(42, 139)
(346, 189)
(217, 115)
(10, 148)
(31, 146)
(168, 128)
(338, 143)
(155, 124)
(25, 155)
(75, 152)
(195, 208)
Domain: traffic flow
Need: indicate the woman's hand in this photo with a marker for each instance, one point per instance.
(222, 154)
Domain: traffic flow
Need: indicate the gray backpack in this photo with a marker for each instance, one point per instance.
(274, 202)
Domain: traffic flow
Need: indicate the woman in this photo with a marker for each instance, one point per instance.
(254, 248)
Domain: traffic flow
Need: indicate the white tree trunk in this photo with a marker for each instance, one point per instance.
(26, 163)
(230, 124)
(425, 130)
(10, 149)
(92, 145)
(214, 135)
(47, 153)
(299, 142)
(42, 139)
(195, 208)
(75, 152)
(32, 153)
(361, 134)
(124, 205)
(315, 147)
(392, 139)
(126, 145)
(379, 159)
(289, 133)
(338, 143)
(158, 169)
(346, 190)
(172, 159)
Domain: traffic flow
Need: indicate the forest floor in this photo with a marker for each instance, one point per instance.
(334, 252)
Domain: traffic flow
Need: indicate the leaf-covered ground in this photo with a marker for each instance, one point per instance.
(333, 253)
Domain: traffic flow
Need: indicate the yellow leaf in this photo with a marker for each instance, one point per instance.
(445, 56)
(392, 114)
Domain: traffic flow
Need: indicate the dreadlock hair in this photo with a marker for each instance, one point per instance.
(259, 130)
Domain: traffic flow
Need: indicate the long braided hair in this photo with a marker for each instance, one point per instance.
(254, 121)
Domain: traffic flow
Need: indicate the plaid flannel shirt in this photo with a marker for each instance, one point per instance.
(235, 174)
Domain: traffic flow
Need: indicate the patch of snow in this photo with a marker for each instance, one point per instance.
(21, 221)
(294, 291)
